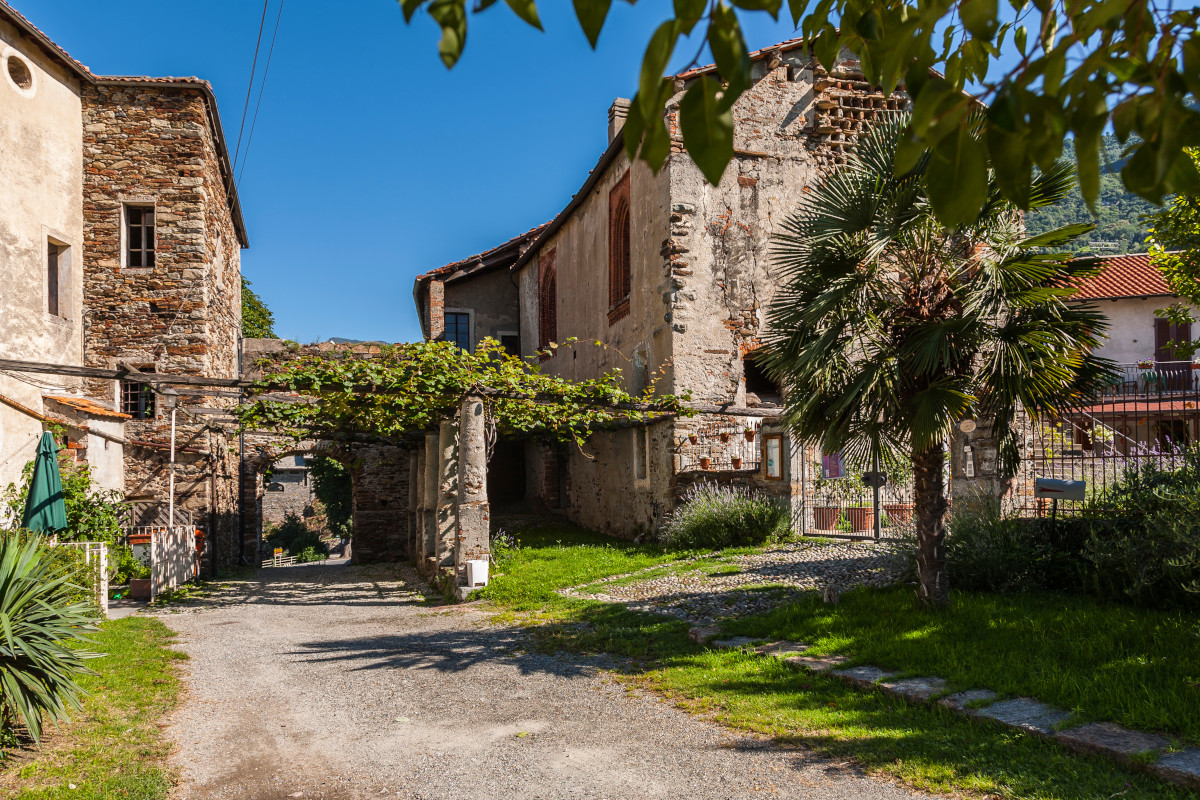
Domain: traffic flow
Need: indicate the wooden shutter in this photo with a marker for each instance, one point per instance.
(1164, 333)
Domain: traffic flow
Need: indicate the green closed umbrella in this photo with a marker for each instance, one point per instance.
(44, 508)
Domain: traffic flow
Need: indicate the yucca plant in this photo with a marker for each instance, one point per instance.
(40, 617)
(890, 327)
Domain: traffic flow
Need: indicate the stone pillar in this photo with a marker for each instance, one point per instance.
(472, 541)
(421, 506)
(430, 493)
(447, 486)
(412, 536)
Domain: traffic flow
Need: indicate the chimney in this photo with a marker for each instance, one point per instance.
(617, 113)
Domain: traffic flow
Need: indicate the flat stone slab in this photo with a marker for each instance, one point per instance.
(702, 633)
(735, 642)
(919, 689)
(781, 649)
(863, 676)
(1182, 767)
(818, 663)
(961, 700)
(1026, 714)
(1109, 739)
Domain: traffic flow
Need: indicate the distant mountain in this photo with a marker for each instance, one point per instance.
(1120, 228)
(340, 340)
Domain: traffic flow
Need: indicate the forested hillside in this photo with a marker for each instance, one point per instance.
(1120, 228)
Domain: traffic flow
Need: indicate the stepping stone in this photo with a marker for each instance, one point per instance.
(961, 700)
(863, 676)
(918, 689)
(735, 642)
(1108, 739)
(1026, 714)
(702, 633)
(1182, 767)
(781, 649)
(818, 663)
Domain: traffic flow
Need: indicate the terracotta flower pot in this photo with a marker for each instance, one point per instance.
(861, 518)
(750, 436)
(724, 437)
(693, 438)
(704, 462)
(737, 463)
(139, 588)
(825, 517)
(898, 513)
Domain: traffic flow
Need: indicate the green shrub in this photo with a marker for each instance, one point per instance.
(1138, 542)
(312, 554)
(41, 617)
(295, 538)
(715, 517)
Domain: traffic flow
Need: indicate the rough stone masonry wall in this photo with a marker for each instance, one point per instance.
(381, 490)
(152, 145)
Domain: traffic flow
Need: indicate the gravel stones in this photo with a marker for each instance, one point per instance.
(750, 584)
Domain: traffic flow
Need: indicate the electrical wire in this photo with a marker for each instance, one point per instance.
(261, 85)
(250, 87)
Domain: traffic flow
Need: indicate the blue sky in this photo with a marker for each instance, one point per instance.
(370, 162)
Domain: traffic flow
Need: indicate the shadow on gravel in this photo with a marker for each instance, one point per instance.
(445, 651)
(321, 585)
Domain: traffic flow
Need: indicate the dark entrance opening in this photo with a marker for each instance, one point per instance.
(506, 475)
(760, 389)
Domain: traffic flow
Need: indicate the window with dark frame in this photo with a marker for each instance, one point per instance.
(53, 251)
(772, 457)
(137, 400)
(547, 302)
(139, 236)
(458, 329)
(620, 273)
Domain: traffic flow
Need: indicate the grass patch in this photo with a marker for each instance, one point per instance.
(1135, 666)
(925, 747)
(114, 748)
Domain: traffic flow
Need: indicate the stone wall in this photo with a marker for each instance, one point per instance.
(381, 492)
(153, 145)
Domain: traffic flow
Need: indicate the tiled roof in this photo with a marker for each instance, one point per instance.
(1130, 275)
(472, 263)
(87, 406)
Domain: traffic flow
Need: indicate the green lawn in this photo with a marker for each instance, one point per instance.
(924, 747)
(114, 748)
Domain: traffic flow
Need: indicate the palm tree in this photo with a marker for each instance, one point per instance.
(890, 328)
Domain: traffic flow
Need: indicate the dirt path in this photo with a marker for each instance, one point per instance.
(334, 682)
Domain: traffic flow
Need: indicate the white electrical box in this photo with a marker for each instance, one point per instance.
(477, 573)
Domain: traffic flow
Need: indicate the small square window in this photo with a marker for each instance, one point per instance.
(137, 400)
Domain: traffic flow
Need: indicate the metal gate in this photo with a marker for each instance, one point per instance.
(835, 501)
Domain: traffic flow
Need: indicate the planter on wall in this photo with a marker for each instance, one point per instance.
(724, 437)
(750, 436)
(693, 438)
(737, 463)
(898, 513)
(704, 462)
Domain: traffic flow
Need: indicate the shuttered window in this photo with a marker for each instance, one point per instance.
(1166, 332)
(547, 301)
(619, 251)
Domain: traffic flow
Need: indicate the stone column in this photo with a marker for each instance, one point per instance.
(430, 494)
(447, 486)
(415, 479)
(474, 514)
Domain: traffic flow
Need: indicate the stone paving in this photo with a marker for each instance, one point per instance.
(704, 590)
(1149, 751)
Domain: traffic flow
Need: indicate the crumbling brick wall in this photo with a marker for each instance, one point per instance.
(153, 145)
(381, 490)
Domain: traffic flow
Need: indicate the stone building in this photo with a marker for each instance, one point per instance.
(142, 235)
(673, 276)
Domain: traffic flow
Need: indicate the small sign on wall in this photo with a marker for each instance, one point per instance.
(772, 452)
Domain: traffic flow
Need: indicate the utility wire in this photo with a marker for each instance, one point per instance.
(261, 85)
(249, 87)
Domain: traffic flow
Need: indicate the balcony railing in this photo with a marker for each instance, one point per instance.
(1155, 379)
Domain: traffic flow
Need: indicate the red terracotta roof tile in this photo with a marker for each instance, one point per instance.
(472, 263)
(88, 406)
(1130, 275)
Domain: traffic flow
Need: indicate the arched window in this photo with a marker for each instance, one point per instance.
(547, 301)
(619, 251)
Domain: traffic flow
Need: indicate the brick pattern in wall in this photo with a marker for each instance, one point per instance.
(381, 489)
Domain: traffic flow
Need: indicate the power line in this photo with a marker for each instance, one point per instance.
(250, 86)
(261, 85)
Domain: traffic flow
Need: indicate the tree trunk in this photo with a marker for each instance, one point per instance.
(930, 500)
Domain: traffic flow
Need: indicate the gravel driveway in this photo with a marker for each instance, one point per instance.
(335, 682)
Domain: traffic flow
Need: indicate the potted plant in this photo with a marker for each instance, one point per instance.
(724, 436)
(749, 433)
(704, 462)
(737, 462)
(1145, 363)
(693, 438)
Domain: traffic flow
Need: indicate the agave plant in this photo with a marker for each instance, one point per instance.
(890, 327)
(40, 616)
